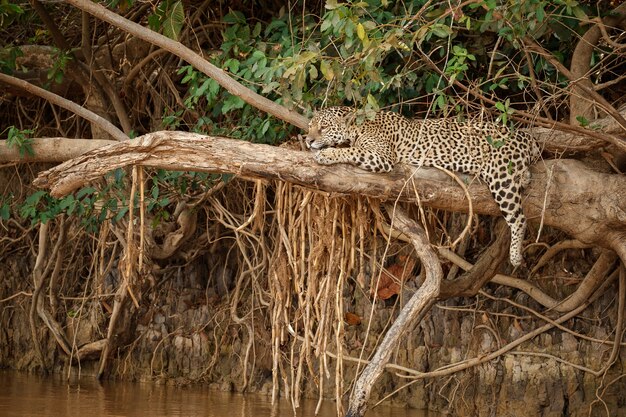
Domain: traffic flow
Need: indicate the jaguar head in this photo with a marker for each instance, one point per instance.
(330, 127)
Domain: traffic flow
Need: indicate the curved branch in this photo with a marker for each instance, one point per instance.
(104, 124)
(585, 89)
(417, 306)
(176, 48)
(476, 276)
(94, 95)
(581, 65)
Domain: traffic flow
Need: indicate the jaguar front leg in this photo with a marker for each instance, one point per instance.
(362, 158)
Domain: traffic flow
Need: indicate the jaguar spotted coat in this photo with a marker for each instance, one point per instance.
(498, 155)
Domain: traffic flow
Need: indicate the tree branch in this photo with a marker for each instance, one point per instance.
(588, 205)
(581, 65)
(417, 306)
(535, 120)
(104, 124)
(586, 89)
(51, 149)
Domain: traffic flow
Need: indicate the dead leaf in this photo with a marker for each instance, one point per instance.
(392, 277)
(352, 319)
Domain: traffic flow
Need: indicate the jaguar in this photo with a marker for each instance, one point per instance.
(497, 154)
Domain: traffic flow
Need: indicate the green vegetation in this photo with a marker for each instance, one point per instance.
(418, 57)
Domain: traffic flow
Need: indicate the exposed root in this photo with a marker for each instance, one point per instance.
(554, 250)
(38, 284)
(483, 271)
(419, 304)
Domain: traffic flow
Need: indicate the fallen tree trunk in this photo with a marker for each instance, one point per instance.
(588, 205)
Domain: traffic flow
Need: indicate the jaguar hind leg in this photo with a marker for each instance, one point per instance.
(507, 195)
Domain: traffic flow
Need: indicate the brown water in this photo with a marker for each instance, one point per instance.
(28, 395)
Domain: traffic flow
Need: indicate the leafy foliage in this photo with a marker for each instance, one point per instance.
(58, 67)
(20, 139)
(168, 16)
(94, 205)
(405, 55)
(9, 12)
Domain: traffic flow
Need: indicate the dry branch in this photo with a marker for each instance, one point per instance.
(52, 149)
(580, 66)
(100, 121)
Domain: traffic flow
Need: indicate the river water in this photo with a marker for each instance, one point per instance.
(33, 396)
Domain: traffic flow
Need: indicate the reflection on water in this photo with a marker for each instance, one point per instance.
(27, 395)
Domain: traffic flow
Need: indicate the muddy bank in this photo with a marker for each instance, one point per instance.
(280, 300)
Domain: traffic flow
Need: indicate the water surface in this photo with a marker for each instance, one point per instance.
(33, 396)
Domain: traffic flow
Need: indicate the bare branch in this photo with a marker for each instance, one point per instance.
(51, 149)
(581, 65)
(587, 90)
(104, 124)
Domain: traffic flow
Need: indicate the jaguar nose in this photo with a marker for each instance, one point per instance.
(312, 143)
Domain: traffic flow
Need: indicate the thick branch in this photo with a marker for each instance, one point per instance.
(51, 149)
(62, 149)
(581, 65)
(194, 59)
(589, 205)
(180, 151)
(483, 271)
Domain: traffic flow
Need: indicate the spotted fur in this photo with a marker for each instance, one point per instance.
(499, 156)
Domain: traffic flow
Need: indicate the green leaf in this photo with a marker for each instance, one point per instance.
(234, 17)
(232, 103)
(84, 191)
(34, 198)
(540, 13)
(582, 120)
(580, 13)
(5, 211)
(257, 30)
(67, 202)
(441, 30)
(120, 214)
(173, 23)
